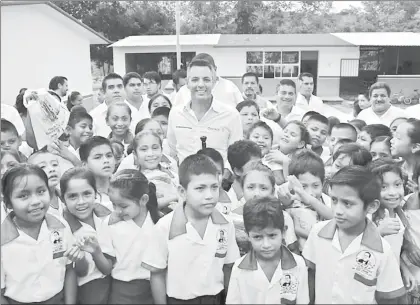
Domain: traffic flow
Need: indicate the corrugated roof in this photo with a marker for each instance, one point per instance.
(96, 39)
(284, 40)
(381, 38)
(167, 40)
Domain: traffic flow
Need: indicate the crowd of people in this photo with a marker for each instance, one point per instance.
(210, 195)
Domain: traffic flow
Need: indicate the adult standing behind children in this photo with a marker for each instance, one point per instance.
(223, 90)
(113, 88)
(204, 116)
(305, 100)
(59, 85)
(381, 111)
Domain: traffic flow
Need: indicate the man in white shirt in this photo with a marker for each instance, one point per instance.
(305, 100)
(250, 88)
(224, 90)
(413, 112)
(202, 116)
(133, 87)
(381, 111)
(60, 85)
(179, 79)
(113, 88)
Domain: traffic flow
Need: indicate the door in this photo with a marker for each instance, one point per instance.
(309, 63)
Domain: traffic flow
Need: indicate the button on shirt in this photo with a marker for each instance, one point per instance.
(224, 90)
(194, 264)
(371, 117)
(365, 270)
(221, 125)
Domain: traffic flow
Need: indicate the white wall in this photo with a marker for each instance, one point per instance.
(35, 47)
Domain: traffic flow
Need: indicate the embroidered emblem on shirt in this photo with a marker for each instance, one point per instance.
(222, 242)
(225, 209)
(365, 268)
(288, 286)
(57, 243)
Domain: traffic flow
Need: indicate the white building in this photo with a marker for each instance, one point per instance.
(39, 41)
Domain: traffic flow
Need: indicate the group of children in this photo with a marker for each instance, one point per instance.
(325, 212)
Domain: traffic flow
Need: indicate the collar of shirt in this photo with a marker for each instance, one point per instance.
(216, 106)
(179, 221)
(75, 224)
(287, 260)
(9, 231)
(371, 237)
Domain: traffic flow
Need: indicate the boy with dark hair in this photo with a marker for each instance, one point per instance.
(285, 273)
(318, 128)
(369, 133)
(195, 240)
(307, 116)
(335, 248)
(342, 131)
(10, 138)
(79, 129)
(152, 83)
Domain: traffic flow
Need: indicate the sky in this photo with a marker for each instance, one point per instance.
(341, 5)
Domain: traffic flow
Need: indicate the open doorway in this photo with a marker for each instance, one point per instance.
(309, 63)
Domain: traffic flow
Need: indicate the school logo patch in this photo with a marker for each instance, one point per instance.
(57, 242)
(365, 268)
(288, 286)
(222, 243)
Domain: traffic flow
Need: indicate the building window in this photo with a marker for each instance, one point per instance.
(273, 64)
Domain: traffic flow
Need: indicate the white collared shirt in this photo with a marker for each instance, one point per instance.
(221, 125)
(128, 163)
(315, 103)
(138, 114)
(177, 247)
(296, 114)
(34, 270)
(249, 285)
(396, 240)
(347, 277)
(130, 242)
(224, 90)
(98, 114)
(413, 112)
(371, 117)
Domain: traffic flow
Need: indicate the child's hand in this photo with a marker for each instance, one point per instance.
(296, 186)
(277, 156)
(74, 254)
(409, 280)
(89, 244)
(389, 226)
(270, 113)
(285, 195)
(412, 186)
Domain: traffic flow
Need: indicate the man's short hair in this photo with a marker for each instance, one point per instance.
(347, 126)
(111, 75)
(129, 76)
(195, 165)
(319, 118)
(177, 75)
(86, 147)
(206, 57)
(200, 63)
(153, 75)
(161, 111)
(286, 82)
(377, 130)
(250, 74)
(305, 74)
(263, 212)
(247, 103)
(241, 152)
(55, 81)
(380, 85)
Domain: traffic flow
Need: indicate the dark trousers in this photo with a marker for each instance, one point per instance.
(218, 299)
(57, 299)
(95, 292)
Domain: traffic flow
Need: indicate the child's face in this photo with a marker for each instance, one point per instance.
(101, 161)
(318, 132)
(338, 134)
(10, 140)
(78, 101)
(163, 121)
(119, 120)
(347, 206)
(201, 194)
(262, 138)
(392, 191)
(82, 131)
(291, 139)
(159, 102)
(155, 127)
(7, 162)
(380, 150)
(401, 142)
(80, 198)
(257, 185)
(363, 102)
(30, 198)
(249, 116)
(395, 125)
(364, 139)
(49, 164)
(341, 161)
(311, 184)
(148, 153)
(126, 208)
(266, 242)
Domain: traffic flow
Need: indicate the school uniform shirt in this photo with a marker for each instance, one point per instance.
(249, 285)
(367, 268)
(74, 151)
(101, 232)
(104, 200)
(296, 114)
(57, 212)
(11, 114)
(277, 130)
(395, 240)
(130, 243)
(224, 90)
(98, 114)
(413, 217)
(220, 124)
(177, 247)
(128, 140)
(25, 149)
(413, 112)
(138, 114)
(371, 117)
(34, 270)
(166, 162)
(314, 104)
(166, 182)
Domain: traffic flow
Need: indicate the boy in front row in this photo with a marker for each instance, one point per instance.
(269, 273)
(193, 248)
(349, 261)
